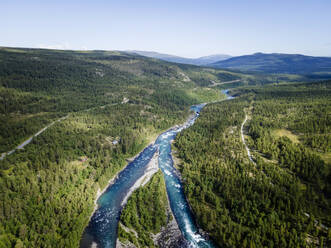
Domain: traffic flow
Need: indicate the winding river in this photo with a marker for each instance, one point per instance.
(102, 229)
(178, 203)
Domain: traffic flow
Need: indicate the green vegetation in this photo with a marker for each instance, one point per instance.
(314, 67)
(50, 191)
(285, 133)
(206, 94)
(145, 213)
(47, 190)
(37, 86)
(284, 199)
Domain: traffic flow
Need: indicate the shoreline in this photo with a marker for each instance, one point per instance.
(113, 179)
(129, 160)
(169, 234)
(176, 166)
(161, 238)
(151, 168)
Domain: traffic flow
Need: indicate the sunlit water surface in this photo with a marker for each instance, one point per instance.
(102, 229)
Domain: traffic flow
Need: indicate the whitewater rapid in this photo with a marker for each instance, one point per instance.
(102, 228)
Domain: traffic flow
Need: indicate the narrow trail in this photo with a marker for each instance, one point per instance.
(28, 141)
(244, 142)
(221, 83)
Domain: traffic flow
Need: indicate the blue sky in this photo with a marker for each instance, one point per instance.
(185, 28)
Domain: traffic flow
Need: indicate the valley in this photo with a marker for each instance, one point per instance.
(58, 174)
(165, 124)
(79, 120)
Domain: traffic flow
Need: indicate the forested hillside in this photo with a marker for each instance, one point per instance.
(37, 86)
(283, 199)
(279, 63)
(115, 104)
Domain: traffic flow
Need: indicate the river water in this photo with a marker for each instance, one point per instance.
(178, 203)
(102, 229)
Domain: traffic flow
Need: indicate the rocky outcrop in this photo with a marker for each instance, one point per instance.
(170, 236)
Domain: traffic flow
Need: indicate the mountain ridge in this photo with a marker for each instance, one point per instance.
(204, 60)
(277, 63)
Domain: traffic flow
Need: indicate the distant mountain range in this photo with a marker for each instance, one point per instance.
(277, 63)
(176, 59)
(258, 62)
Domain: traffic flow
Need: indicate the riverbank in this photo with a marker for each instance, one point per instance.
(169, 235)
(151, 168)
(129, 160)
(152, 138)
(131, 177)
(177, 164)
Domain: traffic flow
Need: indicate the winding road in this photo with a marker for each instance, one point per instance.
(28, 141)
(221, 83)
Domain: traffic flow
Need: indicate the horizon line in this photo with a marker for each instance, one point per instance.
(162, 53)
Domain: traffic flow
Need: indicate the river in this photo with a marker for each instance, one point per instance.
(102, 228)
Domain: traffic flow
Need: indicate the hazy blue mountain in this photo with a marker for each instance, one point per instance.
(176, 59)
(277, 63)
(205, 60)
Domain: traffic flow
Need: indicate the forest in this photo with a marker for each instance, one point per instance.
(146, 212)
(47, 189)
(38, 86)
(282, 199)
